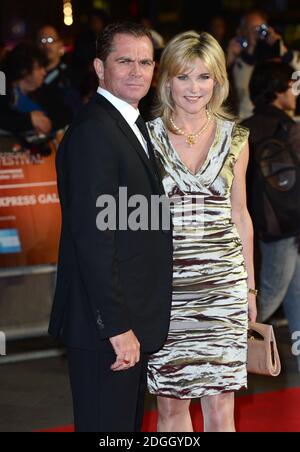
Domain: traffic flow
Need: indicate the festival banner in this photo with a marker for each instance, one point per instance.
(30, 217)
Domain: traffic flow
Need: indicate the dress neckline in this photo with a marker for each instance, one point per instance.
(204, 164)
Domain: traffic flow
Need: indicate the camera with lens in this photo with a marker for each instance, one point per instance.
(243, 42)
(37, 143)
(262, 31)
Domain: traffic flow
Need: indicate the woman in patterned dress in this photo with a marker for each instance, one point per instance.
(203, 156)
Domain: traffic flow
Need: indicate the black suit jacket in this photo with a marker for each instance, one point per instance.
(112, 281)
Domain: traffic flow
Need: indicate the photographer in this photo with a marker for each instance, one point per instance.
(256, 42)
(25, 71)
(58, 73)
(273, 190)
(28, 107)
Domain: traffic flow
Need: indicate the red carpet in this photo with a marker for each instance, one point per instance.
(266, 412)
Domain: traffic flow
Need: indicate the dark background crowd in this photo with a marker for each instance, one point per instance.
(49, 65)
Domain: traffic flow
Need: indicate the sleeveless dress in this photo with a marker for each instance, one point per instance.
(206, 349)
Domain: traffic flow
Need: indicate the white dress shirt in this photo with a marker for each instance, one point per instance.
(129, 113)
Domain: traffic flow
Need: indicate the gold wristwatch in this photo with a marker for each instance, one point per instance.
(253, 291)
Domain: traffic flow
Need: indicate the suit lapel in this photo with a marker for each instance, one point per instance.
(132, 139)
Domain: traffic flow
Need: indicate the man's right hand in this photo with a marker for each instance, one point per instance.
(41, 122)
(127, 349)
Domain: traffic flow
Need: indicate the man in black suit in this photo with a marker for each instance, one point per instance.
(113, 295)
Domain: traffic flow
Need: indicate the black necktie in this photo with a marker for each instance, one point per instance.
(144, 131)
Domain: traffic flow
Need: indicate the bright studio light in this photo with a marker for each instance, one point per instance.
(68, 13)
(68, 20)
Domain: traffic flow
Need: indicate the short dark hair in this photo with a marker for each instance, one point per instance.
(105, 39)
(255, 11)
(20, 61)
(48, 25)
(268, 80)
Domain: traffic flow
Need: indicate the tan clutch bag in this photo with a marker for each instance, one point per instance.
(263, 357)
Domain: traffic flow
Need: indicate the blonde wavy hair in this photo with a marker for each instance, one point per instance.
(179, 57)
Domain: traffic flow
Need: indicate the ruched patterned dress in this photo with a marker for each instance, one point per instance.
(206, 349)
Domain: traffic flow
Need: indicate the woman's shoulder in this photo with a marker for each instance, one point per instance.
(157, 130)
(233, 126)
(159, 137)
(156, 123)
(238, 132)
